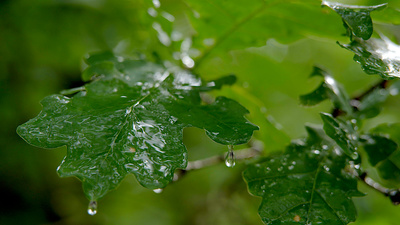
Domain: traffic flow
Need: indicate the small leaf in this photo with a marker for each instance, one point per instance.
(383, 152)
(318, 95)
(132, 122)
(356, 18)
(370, 105)
(329, 88)
(342, 133)
(98, 69)
(379, 148)
(305, 185)
(376, 56)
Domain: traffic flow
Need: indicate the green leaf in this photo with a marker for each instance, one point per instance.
(99, 69)
(222, 26)
(376, 56)
(329, 88)
(379, 148)
(383, 152)
(342, 133)
(305, 185)
(356, 18)
(132, 122)
(270, 131)
(370, 105)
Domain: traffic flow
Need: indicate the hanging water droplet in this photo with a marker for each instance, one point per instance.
(158, 190)
(92, 208)
(230, 157)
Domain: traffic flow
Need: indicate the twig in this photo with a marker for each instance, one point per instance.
(393, 194)
(253, 151)
(355, 101)
(382, 84)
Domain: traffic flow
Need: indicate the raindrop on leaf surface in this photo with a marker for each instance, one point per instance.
(92, 208)
(158, 190)
(230, 157)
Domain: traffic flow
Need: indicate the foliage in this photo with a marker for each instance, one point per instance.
(130, 121)
(130, 115)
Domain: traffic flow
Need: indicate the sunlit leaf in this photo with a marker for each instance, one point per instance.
(376, 56)
(132, 122)
(356, 18)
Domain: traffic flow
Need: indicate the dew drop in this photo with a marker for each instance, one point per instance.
(152, 12)
(158, 190)
(187, 61)
(316, 152)
(92, 208)
(128, 110)
(230, 157)
(156, 3)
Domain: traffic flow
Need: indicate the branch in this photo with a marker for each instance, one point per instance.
(393, 194)
(247, 153)
(355, 101)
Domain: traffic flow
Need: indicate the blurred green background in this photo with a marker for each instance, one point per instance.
(42, 44)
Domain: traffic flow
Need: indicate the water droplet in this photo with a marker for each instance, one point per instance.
(316, 152)
(291, 167)
(230, 157)
(173, 119)
(156, 3)
(168, 16)
(158, 190)
(162, 35)
(128, 110)
(187, 61)
(209, 41)
(394, 91)
(92, 208)
(152, 12)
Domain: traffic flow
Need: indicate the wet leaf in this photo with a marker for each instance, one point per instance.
(356, 18)
(132, 122)
(305, 185)
(328, 89)
(382, 149)
(379, 148)
(342, 132)
(376, 56)
(370, 105)
(220, 26)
